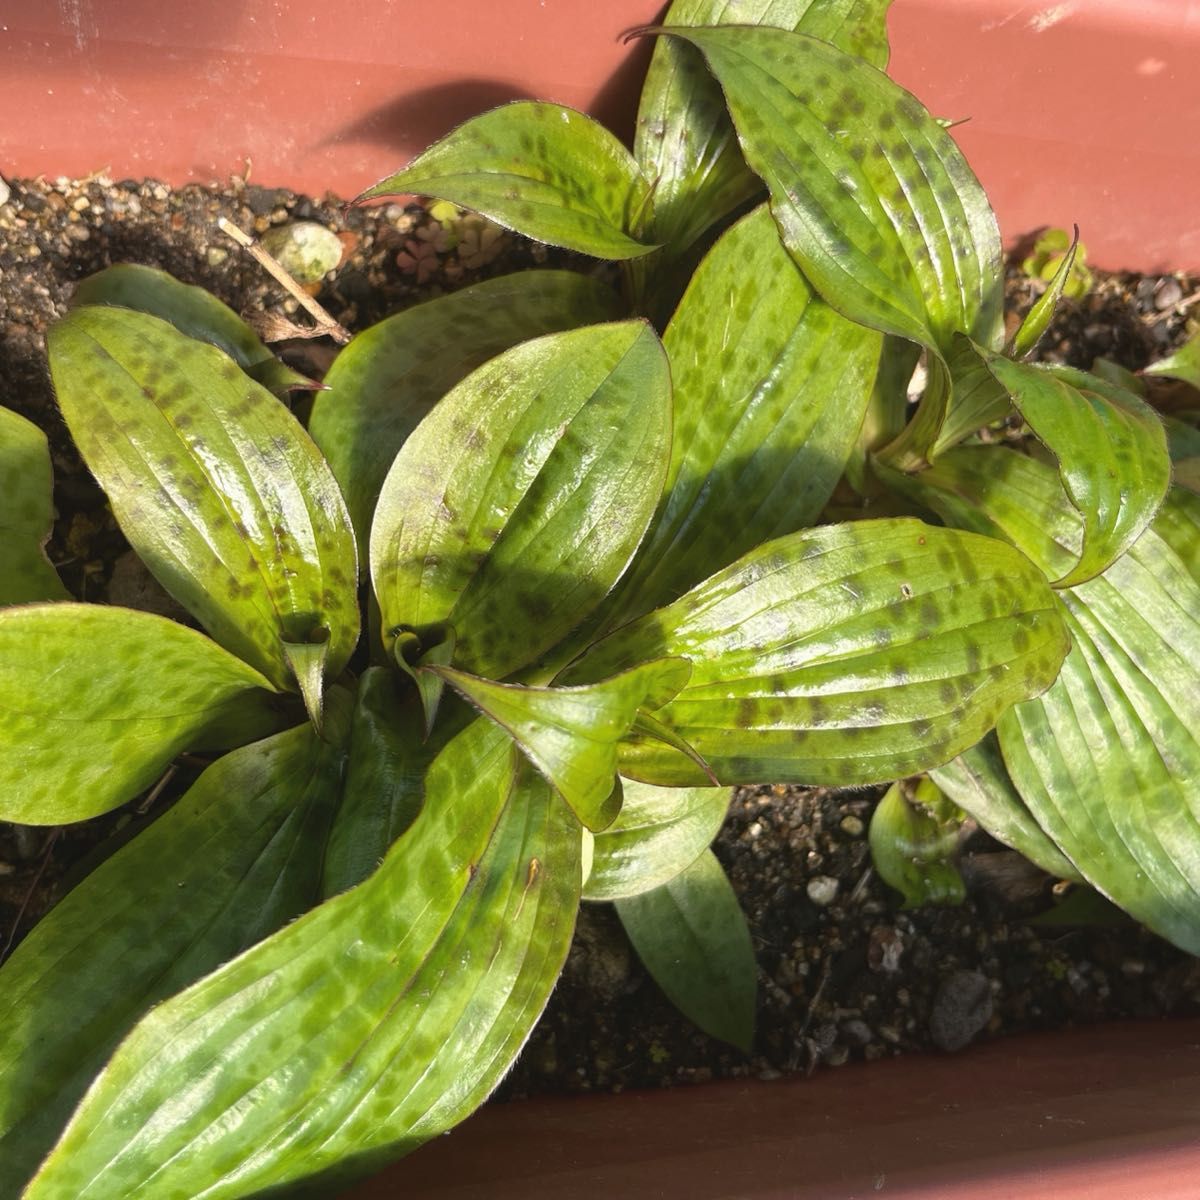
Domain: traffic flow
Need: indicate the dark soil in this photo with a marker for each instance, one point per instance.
(844, 973)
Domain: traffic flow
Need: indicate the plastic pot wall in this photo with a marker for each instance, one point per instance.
(1081, 111)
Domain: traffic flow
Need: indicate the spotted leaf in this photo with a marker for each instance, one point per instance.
(96, 701)
(571, 733)
(235, 859)
(546, 171)
(194, 312)
(872, 197)
(770, 389)
(1111, 451)
(1108, 760)
(26, 513)
(385, 381)
(846, 654)
(685, 143)
(306, 1058)
(658, 833)
(218, 488)
(515, 505)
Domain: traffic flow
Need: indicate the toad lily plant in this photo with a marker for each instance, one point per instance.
(603, 583)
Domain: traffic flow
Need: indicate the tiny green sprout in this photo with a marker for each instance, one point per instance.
(1048, 253)
(914, 835)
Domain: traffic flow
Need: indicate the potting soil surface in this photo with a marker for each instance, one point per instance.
(844, 972)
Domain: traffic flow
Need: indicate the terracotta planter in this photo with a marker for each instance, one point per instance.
(1082, 111)
(1108, 1113)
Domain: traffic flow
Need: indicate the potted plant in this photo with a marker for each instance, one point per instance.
(758, 672)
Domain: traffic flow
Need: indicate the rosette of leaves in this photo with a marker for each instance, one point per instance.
(596, 598)
(874, 203)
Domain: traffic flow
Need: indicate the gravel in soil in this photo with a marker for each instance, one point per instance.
(844, 972)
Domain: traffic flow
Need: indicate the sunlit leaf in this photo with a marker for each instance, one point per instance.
(846, 654)
(658, 833)
(914, 844)
(770, 389)
(364, 1028)
(1111, 452)
(391, 375)
(692, 936)
(1108, 759)
(977, 781)
(96, 701)
(872, 197)
(685, 143)
(194, 312)
(217, 487)
(546, 171)
(26, 513)
(235, 859)
(571, 733)
(515, 505)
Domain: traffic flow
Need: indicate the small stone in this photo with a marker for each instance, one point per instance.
(5, 190)
(852, 826)
(1133, 968)
(857, 1033)
(836, 1056)
(306, 250)
(1167, 294)
(885, 949)
(822, 890)
(81, 203)
(961, 1009)
(216, 255)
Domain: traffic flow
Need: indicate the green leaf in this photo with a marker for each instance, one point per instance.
(977, 781)
(658, 833)
(1108, 760)
(235, 859)
(384, 791)
(27, 513)
(385, 381)
(1111, 452)
(848, 654)
(571, 733)
(366, 1027)
(914, 844)
(1178, 524)
(307, 662)
(692, 936)
(1183, 443)
(684, 141)
(96, 701)
(519, 500)
(546, 171)
(873, 198)
(215, 484)
(1004, 494)
(1183, 364)
(194, 312)
(770, 390)
(975, 397)
(1038, 319)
